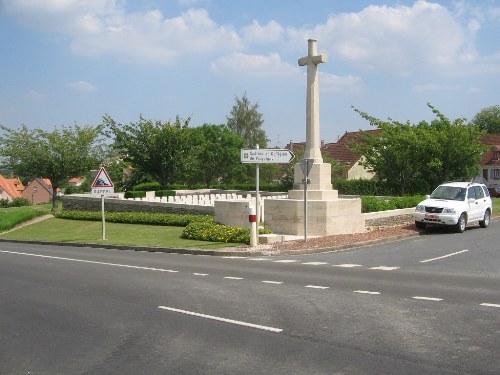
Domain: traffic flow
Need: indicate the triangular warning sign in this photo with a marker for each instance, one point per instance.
(102, 180)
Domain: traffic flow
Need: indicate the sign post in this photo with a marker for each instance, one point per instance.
(102, 185)
(306, 165)
(264, 156)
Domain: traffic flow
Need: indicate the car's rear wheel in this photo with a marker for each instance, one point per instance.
(486, 220)
(420, 225)
(461, 224)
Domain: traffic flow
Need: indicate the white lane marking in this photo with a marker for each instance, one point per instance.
(233, 278)
(444, 256)
(315, 263)
(365, 292)
(317, 287)
(200, 274)
(259, 259)
(90, 261)
(428, 298)
(285, 261)
(347, 265)
(490, 304)
(384, 268)
(237, 322)
(272, 282)
(234, 257)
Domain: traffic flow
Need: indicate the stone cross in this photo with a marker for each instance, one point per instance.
(313, 143)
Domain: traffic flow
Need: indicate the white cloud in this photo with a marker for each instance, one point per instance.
(82, 86)
(344, 84)
(398, 40)
(245, 65)
(433, 87)
(257, 33)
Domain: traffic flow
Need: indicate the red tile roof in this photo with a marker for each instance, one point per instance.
(10, 186)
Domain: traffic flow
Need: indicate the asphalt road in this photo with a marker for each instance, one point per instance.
(426, 305)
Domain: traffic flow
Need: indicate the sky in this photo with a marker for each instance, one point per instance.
(73, 61)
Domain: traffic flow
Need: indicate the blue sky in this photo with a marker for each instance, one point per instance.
(72, 61)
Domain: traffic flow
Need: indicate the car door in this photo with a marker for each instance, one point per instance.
(481, 200)
(473, 204)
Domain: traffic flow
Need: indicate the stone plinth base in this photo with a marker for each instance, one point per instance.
(324, 217)
(314, 195)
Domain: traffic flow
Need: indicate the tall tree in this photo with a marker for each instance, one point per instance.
(160, 149)
(216, 154)
(57, 155)
(246, 121)
(488, 119)
(416, 158)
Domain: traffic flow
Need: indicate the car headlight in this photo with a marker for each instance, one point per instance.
(420, 208)
(449, 211)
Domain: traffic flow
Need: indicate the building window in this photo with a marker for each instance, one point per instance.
(496, 155)
(496, 174)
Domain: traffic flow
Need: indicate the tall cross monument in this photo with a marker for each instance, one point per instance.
(320, 186)
(312, 100)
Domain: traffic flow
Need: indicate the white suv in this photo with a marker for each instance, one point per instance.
(457, 204)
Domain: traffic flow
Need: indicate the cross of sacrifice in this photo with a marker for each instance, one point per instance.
(312, 60)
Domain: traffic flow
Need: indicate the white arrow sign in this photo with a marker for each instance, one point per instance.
(270, 155)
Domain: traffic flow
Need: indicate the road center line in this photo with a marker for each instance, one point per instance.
(428, 298)
(237, 322)
(90, 261)
(317, 287)
(365, 292)
(490, 304)
(444, 256)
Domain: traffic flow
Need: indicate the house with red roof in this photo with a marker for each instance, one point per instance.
(10, 188)
(490, 160)
(38, 191)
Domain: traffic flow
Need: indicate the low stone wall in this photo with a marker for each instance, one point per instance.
(383, 219)
(80, 203)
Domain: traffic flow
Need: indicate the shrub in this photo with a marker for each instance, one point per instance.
(19, 202)
(147, 186)
(206, 231)
(165, 193)
(149, 218)
(374, 204)
(135, 194)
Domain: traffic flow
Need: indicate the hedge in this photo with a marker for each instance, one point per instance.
(149, 218)
(374, 204)
(218, 233)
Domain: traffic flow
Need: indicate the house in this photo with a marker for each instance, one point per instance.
(10, 188)
(77, 181)
(490, 160)
(38, 191)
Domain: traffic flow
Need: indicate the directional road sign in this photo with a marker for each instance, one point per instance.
(263, 155)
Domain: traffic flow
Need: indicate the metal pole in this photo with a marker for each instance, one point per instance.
(257, 196)
(305, 200)
(103, 220)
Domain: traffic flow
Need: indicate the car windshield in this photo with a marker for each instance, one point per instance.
(449, 192)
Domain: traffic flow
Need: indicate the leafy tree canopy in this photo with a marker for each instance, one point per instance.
(158, 148)
(417, 158)
(488, 119)
(58, 155)
(246, 121)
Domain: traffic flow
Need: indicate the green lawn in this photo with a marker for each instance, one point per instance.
(496, 206)
(64, 230)
(10, 217)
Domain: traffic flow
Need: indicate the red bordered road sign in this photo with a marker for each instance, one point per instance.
(102, 183)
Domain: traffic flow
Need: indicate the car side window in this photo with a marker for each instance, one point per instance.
(471, 193)
(479, 192)
(486, 191)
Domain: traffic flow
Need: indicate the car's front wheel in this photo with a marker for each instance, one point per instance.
(420, 225)
(486, 219)
(461, 224)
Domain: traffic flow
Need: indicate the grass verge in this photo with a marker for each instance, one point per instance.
(64, 230)
(10, 217)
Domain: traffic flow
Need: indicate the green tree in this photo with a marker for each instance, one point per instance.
(246, 121)
(216, 154)
(416, 158)
(58, 155)
(160, 149)
(488, 119)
